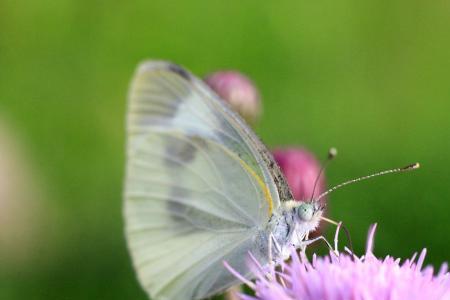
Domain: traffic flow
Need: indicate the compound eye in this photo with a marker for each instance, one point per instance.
(305, 212)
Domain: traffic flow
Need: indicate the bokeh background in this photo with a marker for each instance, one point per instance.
(368, 77)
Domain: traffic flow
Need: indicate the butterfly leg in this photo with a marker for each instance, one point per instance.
(273, 245)
(302, 245)
(270, 254)
(306, 243)
(270, 242)
(272, 273)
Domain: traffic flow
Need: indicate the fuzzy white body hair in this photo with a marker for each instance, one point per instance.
(289, 230)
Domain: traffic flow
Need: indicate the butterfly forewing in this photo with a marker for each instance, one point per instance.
(199, 185)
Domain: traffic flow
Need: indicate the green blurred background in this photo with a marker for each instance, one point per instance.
(368, 77)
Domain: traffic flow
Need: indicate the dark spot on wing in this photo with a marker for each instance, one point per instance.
(173, 203)
(181, 211)
(182, 151)
(180, 71)
(179, 151)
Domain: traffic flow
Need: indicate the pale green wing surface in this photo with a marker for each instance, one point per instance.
(199, 185)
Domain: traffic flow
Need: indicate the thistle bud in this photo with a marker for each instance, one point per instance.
(301, 170)
(239, 91)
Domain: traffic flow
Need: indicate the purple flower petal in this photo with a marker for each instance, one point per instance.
(345, 276)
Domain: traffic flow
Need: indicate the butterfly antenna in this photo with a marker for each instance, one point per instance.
(331, 155)
(397, 170)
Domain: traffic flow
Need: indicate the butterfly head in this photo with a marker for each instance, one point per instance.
(307, 211)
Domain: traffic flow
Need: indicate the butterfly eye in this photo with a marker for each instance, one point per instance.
(305, 212)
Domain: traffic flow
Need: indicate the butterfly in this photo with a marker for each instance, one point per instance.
(201, 189)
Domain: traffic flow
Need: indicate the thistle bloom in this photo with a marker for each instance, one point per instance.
(239, 91)
(342, 276)
(301, 169)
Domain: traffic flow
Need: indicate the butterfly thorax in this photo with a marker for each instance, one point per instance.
(290, 225)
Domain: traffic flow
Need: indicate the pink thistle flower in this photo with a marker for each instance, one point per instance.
(301, 169)
(342, 276)
(239, 91)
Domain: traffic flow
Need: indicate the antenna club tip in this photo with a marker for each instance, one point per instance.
(332, 153)
(412, 166)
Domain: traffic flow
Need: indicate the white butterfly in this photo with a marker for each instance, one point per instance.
(201, 189)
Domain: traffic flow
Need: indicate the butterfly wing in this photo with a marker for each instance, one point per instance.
(199, 185)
